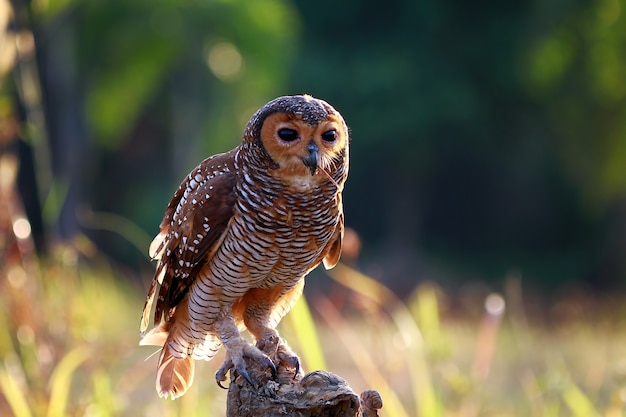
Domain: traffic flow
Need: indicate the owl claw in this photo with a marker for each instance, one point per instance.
(238, 364)
(220, 375)
(268, 363)
(273, 369)
(242, 371)
(295, 374)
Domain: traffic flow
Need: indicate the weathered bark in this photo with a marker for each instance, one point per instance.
(319, 393)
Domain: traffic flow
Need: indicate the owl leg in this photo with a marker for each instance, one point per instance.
(236, 350)
(260, 319)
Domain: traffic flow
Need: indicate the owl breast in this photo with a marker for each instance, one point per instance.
(276, 235)
(286, 229)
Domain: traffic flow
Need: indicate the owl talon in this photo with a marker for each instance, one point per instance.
(295, 374)
(242, 371)
(238, 364)
(267, 362)
(220, 375)
(273, 369)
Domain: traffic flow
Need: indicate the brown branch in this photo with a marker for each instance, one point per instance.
(318, 393)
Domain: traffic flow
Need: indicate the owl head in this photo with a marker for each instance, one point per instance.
(300, 136)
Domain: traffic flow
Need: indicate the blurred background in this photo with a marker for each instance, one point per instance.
(488, 146)
(484, 137)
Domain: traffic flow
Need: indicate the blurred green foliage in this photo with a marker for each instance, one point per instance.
(486, 136)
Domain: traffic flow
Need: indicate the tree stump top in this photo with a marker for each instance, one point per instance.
(319, 393)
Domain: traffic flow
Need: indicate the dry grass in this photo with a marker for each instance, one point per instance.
(68, 347)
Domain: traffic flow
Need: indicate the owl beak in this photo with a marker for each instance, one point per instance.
(310, 160)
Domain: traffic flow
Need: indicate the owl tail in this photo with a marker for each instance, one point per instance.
(174, 375)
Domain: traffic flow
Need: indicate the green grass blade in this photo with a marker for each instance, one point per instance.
(61, 380)
(578, 402)
(304, 328)
(103, 398)
(13, 394)
(117, 224)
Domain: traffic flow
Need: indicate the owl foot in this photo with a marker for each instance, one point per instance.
(287, 357)
(276, 347)
(237, 362)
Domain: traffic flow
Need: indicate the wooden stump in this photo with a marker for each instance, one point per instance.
(319, 393)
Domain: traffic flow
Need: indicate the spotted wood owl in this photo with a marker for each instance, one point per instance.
(239, 236)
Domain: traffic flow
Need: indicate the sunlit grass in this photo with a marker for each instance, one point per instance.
(481, 362)
(68, 346)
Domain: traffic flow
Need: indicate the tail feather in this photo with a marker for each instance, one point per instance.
(147, 307)
(157, 336)
(174, 375)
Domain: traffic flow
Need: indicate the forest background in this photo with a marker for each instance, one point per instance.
(484, 137)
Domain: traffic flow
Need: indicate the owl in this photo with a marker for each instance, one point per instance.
(239, 236)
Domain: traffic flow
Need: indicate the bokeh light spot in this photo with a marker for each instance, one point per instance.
(16, 277)
(21, 228)
(25, 335)
(225, 61)
(494, 304)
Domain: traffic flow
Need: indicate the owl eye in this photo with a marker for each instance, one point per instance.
(288, 135)
(329, 136)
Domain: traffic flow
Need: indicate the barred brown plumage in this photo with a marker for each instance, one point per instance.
(239, 236)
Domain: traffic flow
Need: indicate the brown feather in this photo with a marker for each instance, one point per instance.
(174, 375)
(285, 303)
(156, 247)
(145, 316)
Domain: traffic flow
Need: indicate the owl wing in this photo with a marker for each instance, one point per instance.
(190, 232)
(334, 246)
(332, 252)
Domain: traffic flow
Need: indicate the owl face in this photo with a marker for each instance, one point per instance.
(302, 140)
(300, 148)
